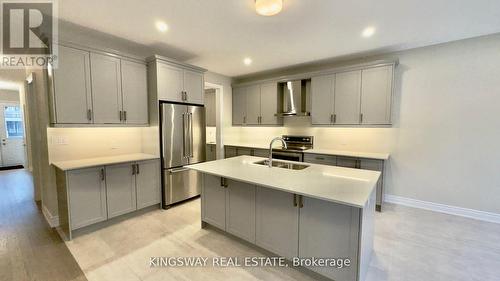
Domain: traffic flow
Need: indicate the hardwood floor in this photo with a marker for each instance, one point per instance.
(410, 244)
(29, 248)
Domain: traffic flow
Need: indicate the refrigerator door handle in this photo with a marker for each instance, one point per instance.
(184, 134)
(191, 146)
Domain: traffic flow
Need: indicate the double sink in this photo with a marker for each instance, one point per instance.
(283, 165)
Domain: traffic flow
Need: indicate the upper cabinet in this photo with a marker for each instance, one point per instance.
(175, 81)
(358, 97)
(256, 105)
(97, 88)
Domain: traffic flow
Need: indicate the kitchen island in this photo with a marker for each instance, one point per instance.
(298, 211)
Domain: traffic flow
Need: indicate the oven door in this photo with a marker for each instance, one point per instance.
(287, 155)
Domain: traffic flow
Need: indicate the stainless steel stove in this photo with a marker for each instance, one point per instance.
(296, 145)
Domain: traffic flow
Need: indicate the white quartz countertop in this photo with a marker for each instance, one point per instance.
(346, 186)
(100, 161)
(358, 154)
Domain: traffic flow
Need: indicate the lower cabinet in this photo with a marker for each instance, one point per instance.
(240, 209)
(261, 152)
(329, 230)
(120, 189)
(230, 151)
(213, 201)
(86, 196)
(289, 225)
(91, 195)
(148, 185)
(211, 152)
(277, 222)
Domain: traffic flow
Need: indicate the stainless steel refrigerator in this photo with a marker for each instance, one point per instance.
(182, 143)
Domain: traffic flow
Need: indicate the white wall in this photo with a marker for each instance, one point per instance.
(9, 95)
(444, 143)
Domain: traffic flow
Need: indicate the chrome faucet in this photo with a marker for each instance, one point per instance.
(270, 161)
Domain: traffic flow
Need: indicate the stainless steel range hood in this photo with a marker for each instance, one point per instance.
(295, 98)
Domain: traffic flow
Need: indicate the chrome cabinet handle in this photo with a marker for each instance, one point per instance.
(125, 115)
(295, 200)
(301, 202)
(244, 119)
(133, 169)
(223, 182)
(89, 114)
(137, 170)
(103, 177)
(334, 118)
(361, 118)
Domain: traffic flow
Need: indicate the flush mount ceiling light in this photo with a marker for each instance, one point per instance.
(161, 26)
(247, 61)
(268, 7)
(368, 32)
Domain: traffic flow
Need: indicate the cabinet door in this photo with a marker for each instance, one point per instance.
(193, 85)
(87, 197)
(269, 104)
(322, 99)
(240, 210)
(261, 152)
(347, 97)
(134, 92)
(213, 201)
(347, 162)
(320, 159)
(120, 189)
(277, 222)
(244, 151)
(148, 183)
(376, 95)
(211, 152)
(230, 151)
(239, 106)
(106, 89)
(72, 88)
(329, 230)
(170, 82)
(253, 105)
(376, 165)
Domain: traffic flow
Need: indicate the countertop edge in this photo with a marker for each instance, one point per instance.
(133, 157)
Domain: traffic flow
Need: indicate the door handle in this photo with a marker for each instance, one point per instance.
(295, 200)
(361, 118)
(184, 132)
(223, 182)
(301, 202)
(191, 142)
(137, 169)
(89, 114)
(133, 169)
(178, 170)
(125, 115)
(120, 114)
(103, 176)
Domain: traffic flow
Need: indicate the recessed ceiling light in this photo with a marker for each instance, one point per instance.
(247, 61)
(161, 26)
(268, 7)
(368, 32)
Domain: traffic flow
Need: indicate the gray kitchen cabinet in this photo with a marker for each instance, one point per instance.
(347, 97)
(243, 151)
(106, 89)
(277, 222)
(239, 106)
(72, 95)
(253, 101)
(148, 185)
(230, 151)
(134, 93)
(320, 159)
(376, 95)
(261, 152)
(86, 191)
(193, 86)
(240, 210)
(329, 230)
(322, 99)
(269, 104)
(376, 165)
(170, 82)
(121, 189)
(347, 162)
(214, 201)
(211, 152)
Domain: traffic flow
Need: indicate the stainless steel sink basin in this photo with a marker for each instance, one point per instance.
(284, 165)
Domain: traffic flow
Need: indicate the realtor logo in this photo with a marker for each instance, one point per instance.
(28, 33)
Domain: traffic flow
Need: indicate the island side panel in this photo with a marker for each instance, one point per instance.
(63, 204)
(367, 230)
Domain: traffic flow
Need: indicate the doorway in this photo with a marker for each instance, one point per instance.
(214, 119)
(12, 140)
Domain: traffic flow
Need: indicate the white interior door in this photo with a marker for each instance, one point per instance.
(12, 134)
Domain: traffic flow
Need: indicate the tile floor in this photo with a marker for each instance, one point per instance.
(410, 244)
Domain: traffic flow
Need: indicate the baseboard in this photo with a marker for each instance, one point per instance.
(52, 220)
(441, 208)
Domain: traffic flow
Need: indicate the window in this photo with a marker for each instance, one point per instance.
(13, 122)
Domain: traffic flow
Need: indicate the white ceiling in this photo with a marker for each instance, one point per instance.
(218, 34)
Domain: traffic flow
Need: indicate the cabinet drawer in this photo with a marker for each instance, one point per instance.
(320, 159)
(348, 162)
